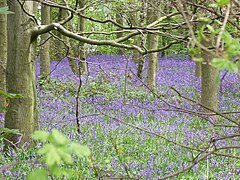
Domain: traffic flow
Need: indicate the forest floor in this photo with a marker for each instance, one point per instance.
(132, 131)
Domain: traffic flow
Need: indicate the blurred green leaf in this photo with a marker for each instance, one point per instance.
(227, 38)
(2, 108)
(6, 131)
(219, 63)
(38, 174)
(213, 5)
(194, 51)
(79, 150)
(200, 34)
(68, 173)
(211, 29)
(65, 156)
(200, 59)
(58, 138)
(10, 95)
(232, 67)
(4, 10)
(222, 63)
(222, 3)
(51, 153)
(58, 151)
(55, 170)
(41, 135)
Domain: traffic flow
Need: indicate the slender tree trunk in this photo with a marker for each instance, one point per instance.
(198, 69)
(82, 49)
(71, 58)
(142, 42)
(134, 19)
(119, 20)
(20, 76)
(3, 51)
(198, 65)
(34, 57)
(44, 52)
(209, 84)
(58, 48)
(153, 40)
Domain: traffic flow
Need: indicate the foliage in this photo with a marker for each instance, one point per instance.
(117, 149)
(232, 51)
(4, 132)
(229, 57)
(57, 149)
(8, 96)
(135, 147)
(4, 10)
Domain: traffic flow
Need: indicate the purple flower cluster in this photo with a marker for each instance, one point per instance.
(118, 148)
(119, 93)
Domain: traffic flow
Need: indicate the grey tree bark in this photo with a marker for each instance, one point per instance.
(209, 83)
(20, 73)
(3, 51)
(119, 20)
(45, 48)
(198, 69)
(71, 55)
(134, 19)
(82, 48)
(153, 39)
(142, 40)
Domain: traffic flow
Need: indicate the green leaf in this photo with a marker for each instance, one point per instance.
(79, 150)
(232, 67)
(4, 10)
(41, 135)
(2, 108)
(6, 131)
(200, 59)
(120, 149)
(217, 80)
(68, 173)
(218, 22)
(213, 5)
(200, 34)
(10, 95)
(223, 3)
(194, 51)
(222, 63)
(58, 138)
(227, 38)
(219, 63)
(51, 153)
(38, 174)
(55, 170)
(204, 19)
(66, 157)
(211, 29)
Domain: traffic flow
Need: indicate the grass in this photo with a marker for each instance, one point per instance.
(118, 149)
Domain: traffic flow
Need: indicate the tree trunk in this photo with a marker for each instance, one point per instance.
(71, 55)
(58, 48)
(209, 84)
(44, 52)
(20, 76)
(134, 19)
(142, 41)
(198, 69)
(153, 40)
(3, 51)
(119, 20)
(82, 49)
